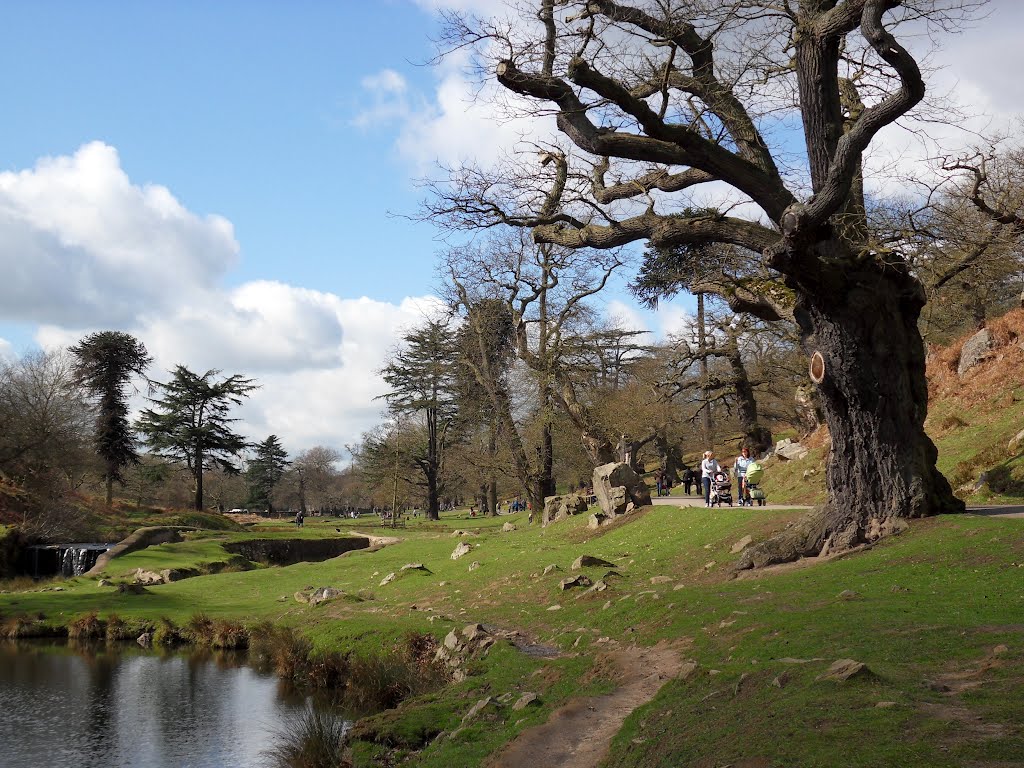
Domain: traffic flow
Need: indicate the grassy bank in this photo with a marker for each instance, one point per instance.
(935, 615)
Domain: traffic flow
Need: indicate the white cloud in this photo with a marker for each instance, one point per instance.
(84, 249)
(81, 244)
(6, 350)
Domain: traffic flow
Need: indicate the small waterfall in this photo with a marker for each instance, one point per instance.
(76, 559)
(66, 559)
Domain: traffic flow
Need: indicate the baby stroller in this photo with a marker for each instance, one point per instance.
(721, 488)
(754, 474)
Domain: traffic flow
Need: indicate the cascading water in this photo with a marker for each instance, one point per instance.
(79, 558)
(66, 559)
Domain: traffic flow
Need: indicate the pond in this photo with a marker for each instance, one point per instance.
(61, 705)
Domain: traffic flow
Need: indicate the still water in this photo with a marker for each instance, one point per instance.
(99, 707)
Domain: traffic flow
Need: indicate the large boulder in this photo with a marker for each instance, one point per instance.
(616, 486)
(977, 349)
(789, 450)
(560, 507)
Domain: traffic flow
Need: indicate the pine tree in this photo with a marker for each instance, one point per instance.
(265, 472)
(104, 364)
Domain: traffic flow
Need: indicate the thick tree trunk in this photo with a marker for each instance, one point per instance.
(881, 470)
(198, 502)
(110, 489)
(756, 436)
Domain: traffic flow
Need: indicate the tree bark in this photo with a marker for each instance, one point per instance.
(874, 395)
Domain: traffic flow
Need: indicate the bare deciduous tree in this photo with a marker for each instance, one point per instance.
(660, 99)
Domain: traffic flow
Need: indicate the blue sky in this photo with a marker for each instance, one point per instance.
(217, 178)
(240, 109)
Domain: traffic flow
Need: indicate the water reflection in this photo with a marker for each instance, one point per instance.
(93, 706)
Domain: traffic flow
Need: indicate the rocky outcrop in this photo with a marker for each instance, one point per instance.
(462, 549)
(558, 508)
(619, 489)
(790, 451)
(977, 349)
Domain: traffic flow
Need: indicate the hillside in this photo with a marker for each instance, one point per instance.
(975, 419)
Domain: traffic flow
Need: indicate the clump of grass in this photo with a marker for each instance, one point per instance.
(312, 740)
(385, 679)
(119, 630)
(165, 633)
(87, 627)
(199, 629)
(952, 422)
(229, 635)
(18, 627)
(281, 649)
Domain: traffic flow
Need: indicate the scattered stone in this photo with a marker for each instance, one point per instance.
(849, 594)
(724, 623)
(611, 575)
(688, 670)
(596, 520)
(790, 450)
(885, 705)
(678, 586)
(143, 576)
(977, 349)
(549, 568)
(476, 709)
(132, 589)
(606, 606)
(557, 508)
(710, 565)
(474, 632)
(660, 579)
(555, 607)
(616, 486)
(598, 586)
(387, 579)
(574, 581)
(460, 550)
(896, 588)
(508, 527)
(1016, 442)
(104, 583)
(474, 565)
(324, 594)
(999, 650)
(781, 680)
(740, 545)
(589, 561)
(713, 672)
(843, 669)
(145, 639)
(414, 567)
(526, 700)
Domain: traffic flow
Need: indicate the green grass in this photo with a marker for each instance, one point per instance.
(932, 602)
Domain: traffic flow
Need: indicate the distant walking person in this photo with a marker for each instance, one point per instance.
(708, 467)
(299, 518)
(689, 478)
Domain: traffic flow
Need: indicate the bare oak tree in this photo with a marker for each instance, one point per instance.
(658, 100)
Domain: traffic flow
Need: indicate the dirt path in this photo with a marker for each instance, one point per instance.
(579, 734)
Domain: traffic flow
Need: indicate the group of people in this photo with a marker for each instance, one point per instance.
(709, 466)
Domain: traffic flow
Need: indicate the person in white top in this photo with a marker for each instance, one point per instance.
(739, 468)
(708, 467)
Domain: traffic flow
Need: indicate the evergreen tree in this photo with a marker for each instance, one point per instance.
(421, 376)
(104, 364)
(191, 425)
(265, 472)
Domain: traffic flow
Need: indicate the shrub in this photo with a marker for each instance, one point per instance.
(88, 627)
(119, 630)
(166, 633)
(312, 740)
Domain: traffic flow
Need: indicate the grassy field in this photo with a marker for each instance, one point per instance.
(937, 615)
